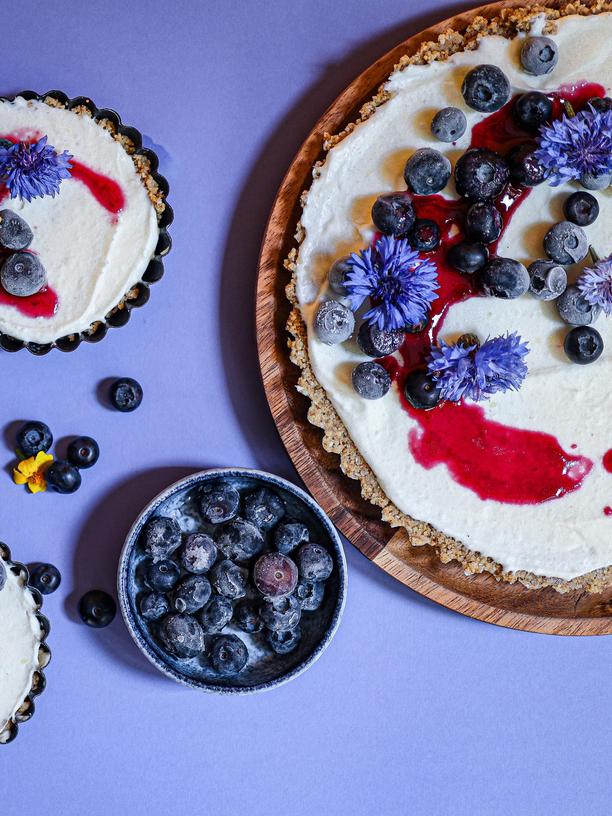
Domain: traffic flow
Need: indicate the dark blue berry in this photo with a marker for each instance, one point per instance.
(275, 575)
(182, 635)
(314, 562)
(97, 608)
(229, 579)
(153, 606)
(216, 614)
(32, 438)
(240, 540)
(22, 274)
(337, 275)
(601, 104)
(371, 380)
(424, 235)
(467, 258)
(504, 278)
(566, 243)
(45, 578)
(290, 534)
(280, 613)
(334, 322)
(421, 390)
(539, 55)
(63, 477)
(161, 537)
(481, 174)
(449, 124)
(263, 508)
(284, 641)
(583, 344)
(219, 502)
(191, 593)
(581, 208)
(83, 452)
(377, 342)
(575, 309)
(427, 171)
(246, 617)
(525, 169)
(15, 234)
(486, 88)
(198, 553)
(126, 394)
(393, 214)
(228, 655)
(548, 280)
(162, 575)
(483, 222)
(531, 110)
(310, 594)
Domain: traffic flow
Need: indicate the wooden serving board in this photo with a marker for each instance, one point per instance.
(479, 596)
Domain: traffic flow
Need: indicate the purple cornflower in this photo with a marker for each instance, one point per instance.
(576, 146)
(478, 372)
(595, 284)
(33, 170)
(400, 284)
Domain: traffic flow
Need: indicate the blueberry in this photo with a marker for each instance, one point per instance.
(601, 104)
(548, 280)
(427, 171)
(263, 508)
(393, 214)
(161, 537)
(216, 614)
(539, 55)
(198, 553)
(45, 578)
(525, 169)
(285, 641)
(601, 182)
(153, 606)
(125, 394)
(467, 258)
(504, 278)
(449, 124)
(275, 575)
(575, 310)
(280, 613)
(583, 345)
(337, 275)
(486, 88)
(162, 576)
(581, 208)
(182, 635)
(310, 595)
(22, 274)
(314, 562)
(290, 534)
(566, 243)
(15, 234)
(63, 477)
(481, 174)
(424, 235)
(421, 390)
(2, 575)
(533, 109)
(371, 380)
(246, 617)
(334, 322)
(32, 438)
(83, 452)
(191, 593)
(240, 540)
(229, 579)
(483, 222)
(97, 608)
(228, 655)
(219, 502)
(377, 342)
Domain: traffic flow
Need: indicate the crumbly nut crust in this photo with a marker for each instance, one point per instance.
(322, 414)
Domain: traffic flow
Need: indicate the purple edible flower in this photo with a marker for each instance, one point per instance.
(595, 284)
(478, 372)
(576, 146)
(33, 170)
(400, 284)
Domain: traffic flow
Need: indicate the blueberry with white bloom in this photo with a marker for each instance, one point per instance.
(377, 342)
(285, 641)
(575, 309)
(577, 147)
(483, 222)
(539, 55)
(240, 540)
(22, 274)
(216, 614)
(310, 594)
(486, 88)
(371, 380)
(596, 182)
(182, 635)
(229, 579)
(427, 171)
(290, 534)
(15, 234)
(219, 502)
(504, 278)
(228, 655)
(481, 174)
(191, 593)
(532, 110)
(334, 322)
(548, 280)
(595, 284)
(449, 124)
(583, 345)
(153, 606)
(566, 243)
(263, 508)
(161, 536)
(581, 208)
(393, 214)
(279, 614)
(337, 275)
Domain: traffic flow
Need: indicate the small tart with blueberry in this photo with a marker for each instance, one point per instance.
(451, 291)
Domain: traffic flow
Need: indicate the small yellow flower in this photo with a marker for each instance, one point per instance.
(32, 472)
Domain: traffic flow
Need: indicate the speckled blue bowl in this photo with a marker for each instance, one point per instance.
(265, 669)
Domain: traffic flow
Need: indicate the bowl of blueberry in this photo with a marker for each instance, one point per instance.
(232, 580)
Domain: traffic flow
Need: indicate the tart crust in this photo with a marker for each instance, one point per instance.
(321, 412)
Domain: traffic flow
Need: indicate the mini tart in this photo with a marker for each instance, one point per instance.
(336, 437)
(141, 219)
(23, 651)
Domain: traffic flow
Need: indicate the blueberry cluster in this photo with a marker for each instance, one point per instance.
(22, 274)
(250, 566)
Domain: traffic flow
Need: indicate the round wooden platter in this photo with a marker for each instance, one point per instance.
(479, 596)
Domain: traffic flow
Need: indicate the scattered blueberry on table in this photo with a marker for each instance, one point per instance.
(97, 608)
(126, 394)
(45, 578)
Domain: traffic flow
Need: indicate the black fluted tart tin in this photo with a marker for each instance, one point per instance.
(138, 294)
(26, 709)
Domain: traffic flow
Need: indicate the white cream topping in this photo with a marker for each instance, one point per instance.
(20, 637)
(92, 258)
(561, 538)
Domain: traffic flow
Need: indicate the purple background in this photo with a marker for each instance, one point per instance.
(413, 709)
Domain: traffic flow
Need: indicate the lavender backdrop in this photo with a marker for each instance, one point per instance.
(413, 709)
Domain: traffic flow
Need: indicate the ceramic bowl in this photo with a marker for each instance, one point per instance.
(265, 669)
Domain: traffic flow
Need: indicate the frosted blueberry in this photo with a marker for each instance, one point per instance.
(334, 322)
(566, 243)
(22, 274)
(575, 309)
(548, 280)
(182, 635)
(191, 594)
(240, 540)
(280, 613)
(486, 88)
(371, 380)
(539, 55)
(216, 614)
(161, 537)
(449, 124)
(427, 171)
(504, 278)
(284, 641)
(229, 579)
